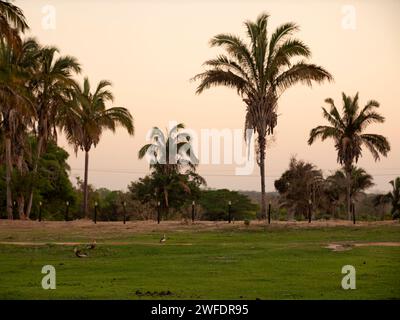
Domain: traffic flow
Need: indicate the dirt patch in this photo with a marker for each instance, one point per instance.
(349, 246)
(377, 244)
(25, 243)
(338, 247)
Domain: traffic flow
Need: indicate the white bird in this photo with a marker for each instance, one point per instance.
(91, 246)
(163, 239)
(79, 253)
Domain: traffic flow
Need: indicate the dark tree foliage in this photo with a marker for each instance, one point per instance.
(52, 186)
(214, 204)
(300, 186)
(182, 190)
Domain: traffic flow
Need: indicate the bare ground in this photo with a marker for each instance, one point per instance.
(81, 231)
(350, 245)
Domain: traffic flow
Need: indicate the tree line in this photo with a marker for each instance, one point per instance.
(38, 97)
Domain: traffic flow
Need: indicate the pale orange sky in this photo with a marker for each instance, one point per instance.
(150, 50)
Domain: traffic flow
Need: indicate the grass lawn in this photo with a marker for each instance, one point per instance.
(197, 262)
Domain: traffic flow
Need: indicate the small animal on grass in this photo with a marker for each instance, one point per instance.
(163, 239)
(91, 246)
(80, 253)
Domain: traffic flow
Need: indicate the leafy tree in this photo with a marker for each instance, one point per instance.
(347, 131)
(394, 197)
(379, 202)
(52, 185)
(214, 204)
(182, 190)
(261, 70)
(89, 118)
(173, 166)
(361, 181)
(300, 186)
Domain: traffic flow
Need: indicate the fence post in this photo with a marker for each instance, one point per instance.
(124, 207)
(229, 211)
(269, 212)
(40, 211)
(95, 212)
(66, 210)
(158, 212)
(193, 211)
(354, 212)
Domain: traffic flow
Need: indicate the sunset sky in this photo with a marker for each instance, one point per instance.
(151, 49)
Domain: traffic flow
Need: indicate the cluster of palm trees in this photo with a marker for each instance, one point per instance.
(305, 191)
(262, 68)
(348, 132)
(40, 96)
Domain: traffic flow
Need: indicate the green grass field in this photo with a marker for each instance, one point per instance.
(235, 262)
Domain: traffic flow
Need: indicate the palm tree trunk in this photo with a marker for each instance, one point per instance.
(85, 185)
(348, 186)
(21, 207)
(8, 178)
(262, 146)
(20, 196)
(166, 198)
(34, 171)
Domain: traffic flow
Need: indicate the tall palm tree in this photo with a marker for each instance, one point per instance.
(16, 108)
(12, 22)
(261, 70)
(171, 159)
(52, 85)
(89, 118)
(394, 197)
(347, 131)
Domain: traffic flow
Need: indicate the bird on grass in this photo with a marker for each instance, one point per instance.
(163, 239)
(91, 246)
(80, 253)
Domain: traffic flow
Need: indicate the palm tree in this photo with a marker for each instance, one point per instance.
(171, 159)
(361, 180)
(52, 85)
(379, 202)
(12, 22)
(347, 131)
(394, 197)
(300, 187)
(86, 121)
(16, 108)
(261, 70)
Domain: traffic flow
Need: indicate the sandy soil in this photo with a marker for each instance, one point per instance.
(109, 243)
(80, 232)
(149, 226)
(86, 230)
(351, 245)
